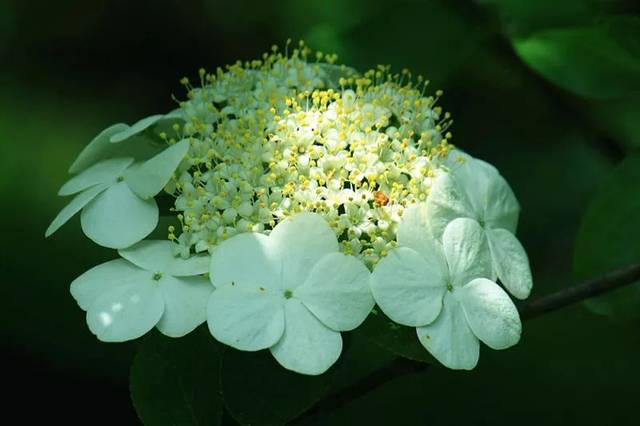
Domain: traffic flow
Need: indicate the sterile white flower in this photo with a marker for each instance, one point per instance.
(116, 197)
(291, 292)
(147, 287)
(442, 289)
(122, 140)
(474, 189)
(140, 126)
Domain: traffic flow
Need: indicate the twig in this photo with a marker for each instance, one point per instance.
(585, 290)
(402, 366)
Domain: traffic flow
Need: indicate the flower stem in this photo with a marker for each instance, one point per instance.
(401, 366)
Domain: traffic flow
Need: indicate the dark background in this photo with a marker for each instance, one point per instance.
(70, 68)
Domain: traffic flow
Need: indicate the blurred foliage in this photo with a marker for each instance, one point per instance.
(609, 238)
(186, 381)
(525, 82)
(607, 68)
(177, 382)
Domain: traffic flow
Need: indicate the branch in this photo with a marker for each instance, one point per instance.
(577, 293)
(402, 366)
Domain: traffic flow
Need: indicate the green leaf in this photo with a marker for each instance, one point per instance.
(592, 61)
(360, 357)
(258, 391)
(618, 118)
(521, 17)
(395, 338)
(609, 238)
(176, 381)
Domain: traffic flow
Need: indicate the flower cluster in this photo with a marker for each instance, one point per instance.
(279, 136)
(305, 194)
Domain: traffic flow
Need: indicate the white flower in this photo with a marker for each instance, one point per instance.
(474, 189)
(109, 142)
(116, 197)
(125, 298)
(443, 290)
(291, 292)
(145, 123)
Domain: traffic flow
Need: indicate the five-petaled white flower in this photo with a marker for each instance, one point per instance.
(443, 290)
(125, 298)
(291, 292)
(116, 195)
(475, 189)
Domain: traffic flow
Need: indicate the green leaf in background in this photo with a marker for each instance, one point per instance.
(522, 17)
(594, 61)
(609, 238)
(258, 391)
(397, 339)
(618, 118)
(176, 381)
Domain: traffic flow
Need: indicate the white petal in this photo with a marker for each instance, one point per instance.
(246, 259)
(510, 262)
(102, 278)
(106, 171)
(246, 317)
(118, 218)
(98, 149)
(301, 241)
(136, 128)
(413, 232)
(337, 292)
(126, 312)
(409, 287)
(490, 313)
(492, 199)
(150, 177)
(68, 211)
(473, 189)
(185, 301)
(473, 177)
(449, 338)
(159, 256)
(307, 346)
(447, 201)
(467, 251)
(502, 206)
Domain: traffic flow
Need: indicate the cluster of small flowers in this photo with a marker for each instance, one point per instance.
(282, 135)
(302, 206)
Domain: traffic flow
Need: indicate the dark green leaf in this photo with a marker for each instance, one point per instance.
(592, 61)
(176, 381)
(609, 238)
(393, 337)
(618, 118)
(258, 391)
(359, 358)
(522, 17)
